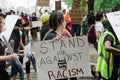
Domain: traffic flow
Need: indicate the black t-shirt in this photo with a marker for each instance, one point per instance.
(2, 49)
(51, 35)
(109, 38)
(43, 31)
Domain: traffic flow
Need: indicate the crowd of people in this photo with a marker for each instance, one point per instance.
(56, 25)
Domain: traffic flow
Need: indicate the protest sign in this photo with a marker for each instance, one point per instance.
(35, 24)
(10, 22)
(114, 19)
(43, 3)
(57, 5)
(62, 59)
(27, 52)
(75, 13)
(76, 16)
(76, 4)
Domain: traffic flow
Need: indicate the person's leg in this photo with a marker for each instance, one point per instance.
(20, 70)
(35, 34)
(17, 68)
(13, 70)
(77, 30)
(73, 30)
(28, 70)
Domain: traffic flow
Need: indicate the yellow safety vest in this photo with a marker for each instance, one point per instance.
(105, 60)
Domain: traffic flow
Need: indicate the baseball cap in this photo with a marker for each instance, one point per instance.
(44, 18)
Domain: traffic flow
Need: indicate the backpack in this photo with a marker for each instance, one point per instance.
(91, 34)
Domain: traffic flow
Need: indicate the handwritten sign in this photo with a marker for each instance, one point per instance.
(114, 19)
(62, 59)
(76, 16)
(44, 3)
(10, 22)
(35, 24)
(75, 13)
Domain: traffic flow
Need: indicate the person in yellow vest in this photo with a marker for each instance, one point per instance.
(108, 55)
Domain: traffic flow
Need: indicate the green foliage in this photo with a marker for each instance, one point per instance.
(106, 4)
(98, 4)
(68, 2)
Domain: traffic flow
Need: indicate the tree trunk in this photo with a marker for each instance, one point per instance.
(90, 5)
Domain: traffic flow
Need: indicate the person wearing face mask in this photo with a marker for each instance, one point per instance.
(3, 73)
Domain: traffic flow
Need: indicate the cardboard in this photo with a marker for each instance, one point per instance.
(43, 3)
(76, 16)
(10, 22)
(62, 59)
(35, 24)
(57, 5)
(114, 19)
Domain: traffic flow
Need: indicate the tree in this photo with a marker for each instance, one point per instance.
(90, 5)
(98, 4)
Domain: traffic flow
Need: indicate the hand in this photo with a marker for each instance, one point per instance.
(58, 37)
(13, 56)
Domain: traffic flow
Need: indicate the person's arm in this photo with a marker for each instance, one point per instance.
(98, 34)
(22, 46)
(12, 56)
(29, 26)
(111, 49)
(66, 33)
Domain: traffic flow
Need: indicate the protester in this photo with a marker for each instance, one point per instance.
(57, 25)
(91, 18)
(68, 20)
(99, 28)
(3, 73)
(35, 29)
(27, 64)
(108, 55)
(22, 35)
(16, 67)
(45, 24)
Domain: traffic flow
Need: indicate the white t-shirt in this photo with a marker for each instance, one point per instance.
(99, 27)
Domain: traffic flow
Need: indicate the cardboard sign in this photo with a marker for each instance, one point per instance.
(62, 59)
(76, 16)
(114, 19)
(57, 5)
(35, 24)
(76, 4)
(10, 22)
(27, 52)
(42, 3)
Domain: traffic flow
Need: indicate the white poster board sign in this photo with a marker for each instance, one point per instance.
(10, 22)
(35, 24)
(62, 59)
(27, 52)
(114, 19)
